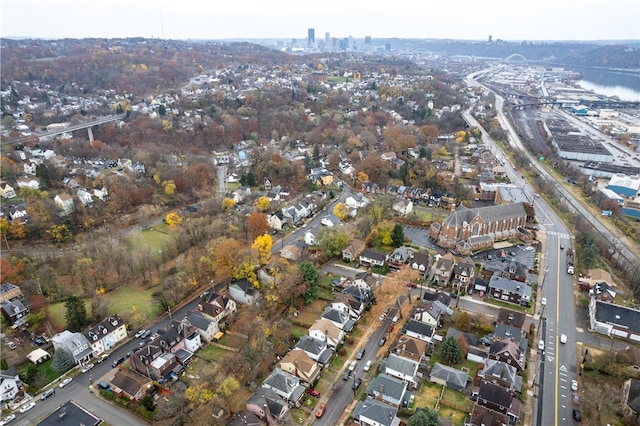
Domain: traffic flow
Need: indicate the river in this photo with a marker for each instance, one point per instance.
(626, 86)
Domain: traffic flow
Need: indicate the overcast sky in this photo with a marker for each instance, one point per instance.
(221, 19)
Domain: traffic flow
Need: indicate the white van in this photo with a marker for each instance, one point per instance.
(367, 366)
(394, 320)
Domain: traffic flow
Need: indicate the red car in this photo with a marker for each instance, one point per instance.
(321, 409)
(313, 392)
(390, 329)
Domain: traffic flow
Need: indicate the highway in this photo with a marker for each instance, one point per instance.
(69, 129)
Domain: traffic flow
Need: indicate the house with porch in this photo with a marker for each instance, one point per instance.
(443, 270)
(371, 412)
(301, 365)
(340, 319)
(131, 384)
(268, 406)
(348, 304)
(372, 257)
(328, 332)
(105, 335)
(285, 385)
(74, 343)
(10, 384)
(389, 390)
(352, 251)
(402, 368)
(316, 349)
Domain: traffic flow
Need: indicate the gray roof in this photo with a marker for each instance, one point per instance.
(391, 387)
(267, 396)
(373, 254)
(316, 347)
(199, 321)
(453, 377)
(618, 315)
(377, 411)
(418, 327)
(505, 284)
(403, 365)
(502, 371)
(488, 214)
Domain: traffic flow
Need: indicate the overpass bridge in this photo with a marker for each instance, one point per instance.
(79, 126)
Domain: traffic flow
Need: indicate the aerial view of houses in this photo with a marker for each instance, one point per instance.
(272, 238)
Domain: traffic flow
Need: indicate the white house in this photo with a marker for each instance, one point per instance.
(85, 197)
(331, 220)
(28, 182)
(10, 384)
(326, 331)
(101, 193)
(402, 206)
(106, 335)
(402, 368)
(356, 201)
(309, 238)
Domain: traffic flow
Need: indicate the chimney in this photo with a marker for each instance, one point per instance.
(453, 207)
(379, 396)
(266, 411)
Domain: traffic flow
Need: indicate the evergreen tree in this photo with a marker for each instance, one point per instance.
(451, 351)
(62, 359)
(76, 314)
(424, 417)
(397, 235)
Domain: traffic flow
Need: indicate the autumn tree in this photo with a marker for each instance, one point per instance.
(257, 225)
(60, 233)
(173, 219)
(263, 204)
(227, 390)
(362, 177)
(228, 204)
(262, 244)
(198, 395)
(222, 256)
(332, 240)
(341, 210)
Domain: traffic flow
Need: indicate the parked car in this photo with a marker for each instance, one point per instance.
(574, 385)
(367, 366)
(87, 367)
(390, 329)
(117, 362)
(38, 341)
(321, 409)
(356, 383)
(394, 320)
(576, 415)
(47, 394)
(357, 265)
(360, 354)
(541, 345)
(543, 301)
(347, 375)
(139, 333)
(313, 392)
(27, 407)
(352, 366)
(65, 382)
(382, 341)
(146, 334)
(103, 358)
(7, 419)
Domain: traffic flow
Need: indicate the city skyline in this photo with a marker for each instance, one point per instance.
(545, 20)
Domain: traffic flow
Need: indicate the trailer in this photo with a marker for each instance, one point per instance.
(570, 262)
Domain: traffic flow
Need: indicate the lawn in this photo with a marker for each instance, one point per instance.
(454, 405)
(45, 370)
(470, 365)
(121, 301)
(210, 352)
(153, 239)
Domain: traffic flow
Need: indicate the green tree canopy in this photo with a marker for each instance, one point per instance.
(451, 350)
(424, 417)
(76, 314)
(309, 272)
(62, 359)
(397, 235)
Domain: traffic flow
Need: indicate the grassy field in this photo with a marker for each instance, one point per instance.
(154, 239)
(121, 301)
(454, 405)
